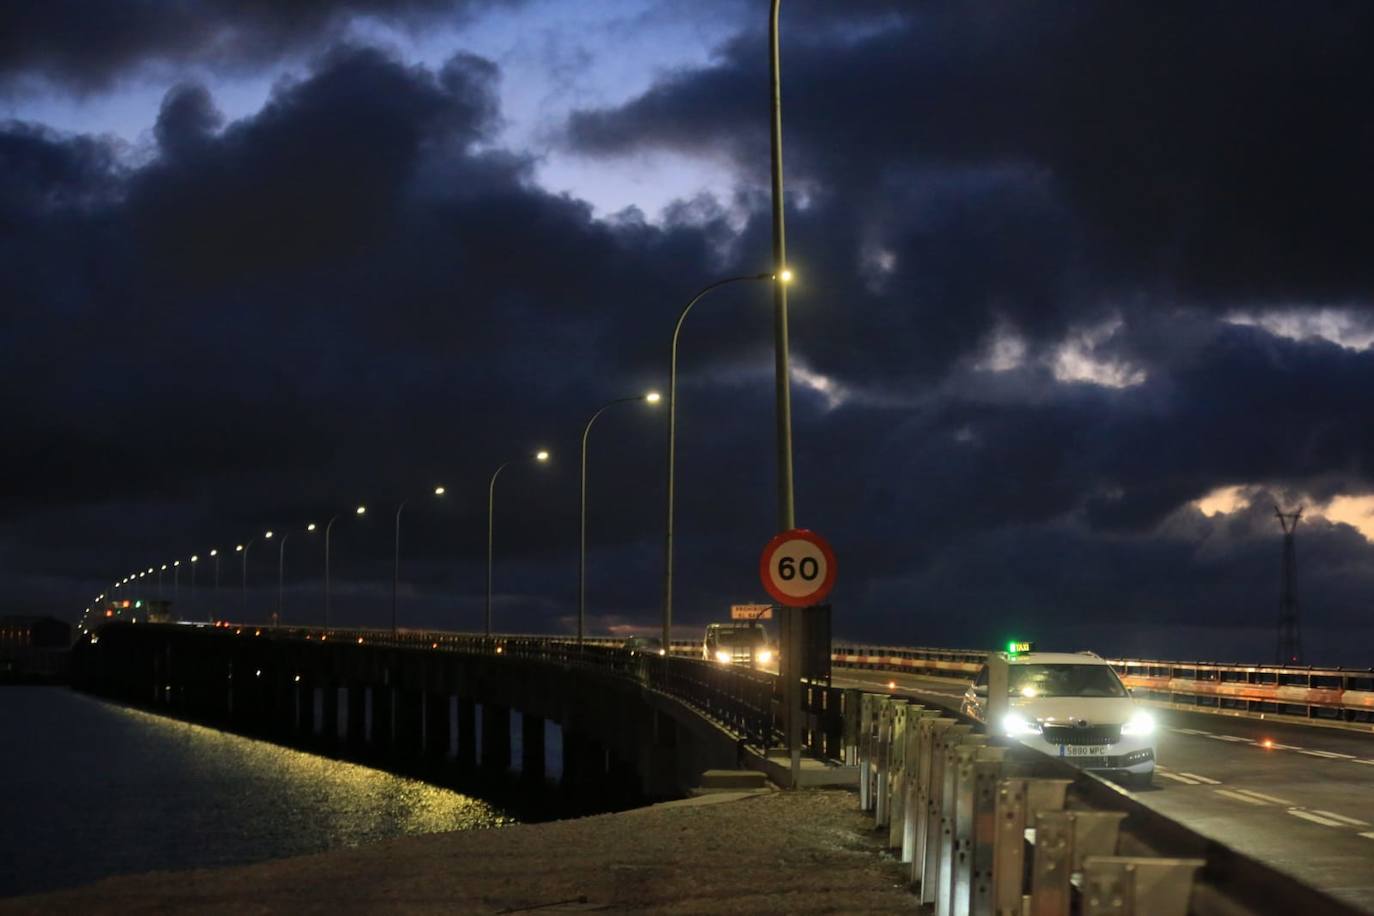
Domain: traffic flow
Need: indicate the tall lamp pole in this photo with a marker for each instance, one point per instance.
(281, 573)
(672, 447)
(243, 549)
(192, 606)
(214, 601)
(540, 455)
(361, 510)
(396, 567)
(651, 397)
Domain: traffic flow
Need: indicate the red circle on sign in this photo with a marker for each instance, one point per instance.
(815, 543)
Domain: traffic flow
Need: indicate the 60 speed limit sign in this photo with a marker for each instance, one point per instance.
(798, 568)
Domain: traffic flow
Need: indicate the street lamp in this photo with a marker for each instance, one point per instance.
(540, 456)
(361, 510)
(243, 549)
(214, 553)
(281, 571)
(652, 397)
(176, 581)
(396, 566)
(192, 606)
(672, 443)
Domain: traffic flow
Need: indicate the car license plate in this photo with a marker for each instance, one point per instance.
(1082, 750)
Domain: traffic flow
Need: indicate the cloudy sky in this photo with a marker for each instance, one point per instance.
(1083, 292)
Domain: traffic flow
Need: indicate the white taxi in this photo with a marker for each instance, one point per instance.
(1072, 705)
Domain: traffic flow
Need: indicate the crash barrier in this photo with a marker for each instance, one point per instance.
(1322, 694)
(992, 828)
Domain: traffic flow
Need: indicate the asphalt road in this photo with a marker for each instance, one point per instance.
(1300, 799)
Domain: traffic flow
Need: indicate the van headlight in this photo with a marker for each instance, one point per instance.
(765, 656)
(1140, 724)
(723, 656)
(1017, 725)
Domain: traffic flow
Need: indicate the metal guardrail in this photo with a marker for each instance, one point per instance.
(987, 827)
(1341, 695)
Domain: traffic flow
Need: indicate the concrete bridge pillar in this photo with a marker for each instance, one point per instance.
(584, 761)
(436, 724)
(495, 738)
(467, 732)
(531, 748)
(408, 725)
(382, 705)
(355, 717)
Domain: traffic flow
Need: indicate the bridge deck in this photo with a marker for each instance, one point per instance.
(807, 851)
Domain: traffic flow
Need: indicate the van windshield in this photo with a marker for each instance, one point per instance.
(744, 636)
(1066, 680)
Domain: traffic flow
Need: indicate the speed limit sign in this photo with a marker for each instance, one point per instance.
(798, 568)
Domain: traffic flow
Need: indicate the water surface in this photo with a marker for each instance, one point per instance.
(90, 789)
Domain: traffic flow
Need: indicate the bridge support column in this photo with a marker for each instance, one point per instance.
(584, 762)
(379, 734)
(531, 748)
(355, 718)
(436, 724)
(467, 732)
(495, 738)
(408, 728)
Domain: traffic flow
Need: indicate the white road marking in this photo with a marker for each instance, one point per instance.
(1189, 731)
(1352, 821)
(1368, 763)
(1328, 754)
(1210, 782)
(1314, 818)
(1268, 798)
(1368, 836)
(1283, 747)
(1176, 778)
(1231, 738)
(1238, 797)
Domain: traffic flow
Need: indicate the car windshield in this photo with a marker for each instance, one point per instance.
(744, 636)
(1064, 681)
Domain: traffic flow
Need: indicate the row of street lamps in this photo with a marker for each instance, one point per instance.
(651, 398)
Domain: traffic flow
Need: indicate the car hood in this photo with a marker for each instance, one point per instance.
(1065, 710)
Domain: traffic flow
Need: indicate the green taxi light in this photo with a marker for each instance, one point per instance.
(1017, 647)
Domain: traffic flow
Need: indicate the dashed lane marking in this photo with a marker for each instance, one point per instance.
(1231, 738)
(1177, 777)
(1315, 818)
(1282, 747)
(1328, 754)
(1245, 798)
(1368, 836)
(1210, 782)
(1189, 731)
(1349, 821)
(1268, 798)
(1368, 763)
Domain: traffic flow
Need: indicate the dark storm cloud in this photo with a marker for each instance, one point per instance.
(1208, 153)
(87, 45)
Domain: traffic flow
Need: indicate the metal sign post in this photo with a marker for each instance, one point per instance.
(797, 568)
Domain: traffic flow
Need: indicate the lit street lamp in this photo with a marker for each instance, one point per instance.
(281, 571)
(243, 549)
(396, 566)
(652, 397)
(540, 455)
(214, 553)
(176, 582)
(672, 443)
(192, 606)
(361, 510)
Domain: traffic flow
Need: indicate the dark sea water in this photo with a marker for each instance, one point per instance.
(89, 789)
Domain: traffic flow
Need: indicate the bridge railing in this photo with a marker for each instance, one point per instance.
(744, 701)
(1343, 695)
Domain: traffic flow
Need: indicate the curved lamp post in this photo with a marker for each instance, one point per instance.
(396, 567)
(361, 510)
(672, 442)
(281, 572)
(540, 455)
(243, 549)
(651, 397)
(215, 609)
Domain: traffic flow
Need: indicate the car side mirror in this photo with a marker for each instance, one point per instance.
(980, 690)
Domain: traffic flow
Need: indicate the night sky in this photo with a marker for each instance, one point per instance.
(1083, 290)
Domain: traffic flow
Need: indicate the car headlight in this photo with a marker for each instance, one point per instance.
(723, 656)
(1142, 723)
(765, 656)
(1017, 725)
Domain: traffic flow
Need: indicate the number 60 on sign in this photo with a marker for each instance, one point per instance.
(798, 568)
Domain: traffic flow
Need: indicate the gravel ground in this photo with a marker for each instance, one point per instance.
(777, 852)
